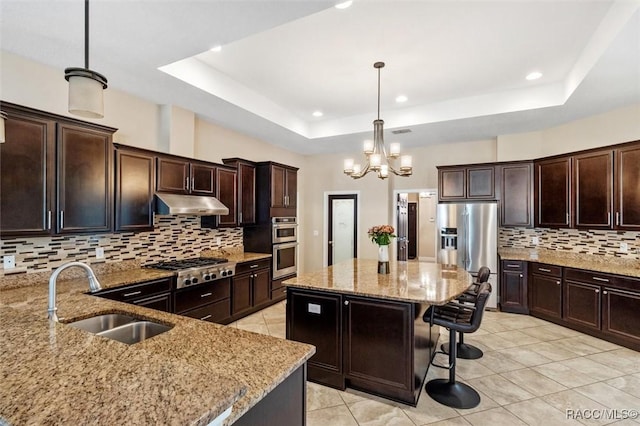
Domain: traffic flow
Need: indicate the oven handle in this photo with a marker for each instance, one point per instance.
(284, 246)
(284, 225)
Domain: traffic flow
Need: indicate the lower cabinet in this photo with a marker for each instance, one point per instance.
(250, 287)
(379, 346)
(621, 315)
(545, 291)
(156, 294)
(513, 287)
(582, 304)
(208, 302)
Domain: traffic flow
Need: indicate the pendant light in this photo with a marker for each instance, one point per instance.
(3, 118)
(85, 86)
(377, 158)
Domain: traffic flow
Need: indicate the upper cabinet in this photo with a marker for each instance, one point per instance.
(182, 176)
(277, 187)
(593, 174)
(56, 175)
(246, 186)
(460, 183)
(553, 193)
(134, 187)
(227, 194)
(516, 194)
(627, 187)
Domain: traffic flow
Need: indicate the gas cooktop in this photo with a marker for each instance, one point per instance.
(197, 270)
(195, 262)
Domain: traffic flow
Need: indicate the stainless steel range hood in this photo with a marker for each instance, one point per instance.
(189, 204)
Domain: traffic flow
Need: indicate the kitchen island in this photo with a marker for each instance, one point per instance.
(53, 373)
(367, 327)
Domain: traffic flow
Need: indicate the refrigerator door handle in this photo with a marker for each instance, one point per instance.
(467, 254)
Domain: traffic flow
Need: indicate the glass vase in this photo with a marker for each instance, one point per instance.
(383, 259)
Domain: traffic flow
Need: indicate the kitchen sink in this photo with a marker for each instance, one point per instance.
(121, 327)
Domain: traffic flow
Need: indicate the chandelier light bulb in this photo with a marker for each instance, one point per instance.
(357, 168)
(348, 165)
(405, 162)
(368, 146)
(394, 149)
(384, 171)
(375, 161)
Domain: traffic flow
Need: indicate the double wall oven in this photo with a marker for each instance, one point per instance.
(284, 239)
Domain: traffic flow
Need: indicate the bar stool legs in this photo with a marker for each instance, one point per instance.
(449, 392)
(464, 350)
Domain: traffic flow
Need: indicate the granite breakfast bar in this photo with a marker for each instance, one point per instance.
(367, 327)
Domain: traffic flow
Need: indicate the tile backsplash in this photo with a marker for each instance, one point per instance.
(601, 243)
(174, 237)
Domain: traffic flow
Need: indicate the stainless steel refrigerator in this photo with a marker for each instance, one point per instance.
(468, 237)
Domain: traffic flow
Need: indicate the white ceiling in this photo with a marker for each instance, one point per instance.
(462, 64)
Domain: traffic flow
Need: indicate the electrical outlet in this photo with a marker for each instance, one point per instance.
(219, 241)
(9, 262)
(624, 247)
(99, 253)
(315, 233)
(535, 241)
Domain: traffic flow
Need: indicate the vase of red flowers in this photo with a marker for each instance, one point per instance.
(382, 235)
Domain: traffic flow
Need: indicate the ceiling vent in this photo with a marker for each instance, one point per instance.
(401, 131)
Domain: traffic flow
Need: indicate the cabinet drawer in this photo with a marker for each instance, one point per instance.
(544, 269)
(213, 312)
(252, 266)
(513, 265)
(600, 278)
(138, 291)
(201, 295)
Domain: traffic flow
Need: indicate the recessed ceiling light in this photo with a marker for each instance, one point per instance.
(217, 48)
(344, 4)
(317, 114)
(534, 75)
(401, 98)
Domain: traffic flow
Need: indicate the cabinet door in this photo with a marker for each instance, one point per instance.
(278, 190)
(26, 183)
(582, 304)
(553, 193)
(247, 194)
(513, 291)
(203, 179)
(377, 337)
(516, 200)
(451, 184)
(134, 191)
(594, 190)
(627, 190)
(316, 319)
(261, 287)
(226, 193)
(217, 312)
(160, 302)
(241, 293)
(545, 296)
(621, 316)
(481, 183)
(173, 175)
(291, 177)
(84, 180)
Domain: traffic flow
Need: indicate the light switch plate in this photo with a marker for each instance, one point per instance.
(624, 247)
(219, 241)
(535, 241)
(99, 253)
(9, 262)
(314, 308)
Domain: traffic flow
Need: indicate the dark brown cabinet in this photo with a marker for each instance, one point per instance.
(56, 175)
(516, 194)
(513, 287)
(251, 287)
(246, 189)
(582, 304)
(545, 291)
(277, 187)
(226, 192)
(467, 183)
(593, 174)
(182, 176)
(553, 193)
(155, 294)
(207, 302)
(134, 187)
(621, 316)
(284, 187)
(627, 187)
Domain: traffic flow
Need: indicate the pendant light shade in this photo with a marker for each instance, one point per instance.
(3, 117)
(86, 87)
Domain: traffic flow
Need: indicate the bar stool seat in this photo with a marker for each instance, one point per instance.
(457, 317)
(465, 350)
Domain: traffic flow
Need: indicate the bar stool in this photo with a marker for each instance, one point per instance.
(457, 317)
(465, 350)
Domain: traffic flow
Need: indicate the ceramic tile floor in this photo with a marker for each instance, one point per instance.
(532, 373)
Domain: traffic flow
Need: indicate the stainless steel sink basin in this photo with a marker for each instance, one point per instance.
(135, 332)
(121, 327)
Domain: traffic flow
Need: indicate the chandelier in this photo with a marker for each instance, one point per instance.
(377, 158)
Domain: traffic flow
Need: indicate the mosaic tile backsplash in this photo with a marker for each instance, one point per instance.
(174, 237)
(601, 243)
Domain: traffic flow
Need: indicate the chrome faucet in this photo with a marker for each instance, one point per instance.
(94, 285)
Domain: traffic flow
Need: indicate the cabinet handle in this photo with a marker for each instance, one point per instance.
(512, 266)
(544, 269)
(49, 219)
(617, 218)
(61, 219)
(597, 290)
(253, 266)
(567, 218)
(346, 303)
(187, 184)
(608, 217)
(133, 293)
(605, 292)
(206, 317)
(558, 282)
(604, 280)
(193, 183)
(206, 295)
(240, 217)
(520, 275)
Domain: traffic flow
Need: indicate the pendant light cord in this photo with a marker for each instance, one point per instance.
(378, 92)
(86, 34)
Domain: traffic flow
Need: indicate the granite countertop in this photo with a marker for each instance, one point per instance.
(422, 282)
(589, 262)
(53, 373)
(238, 257)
